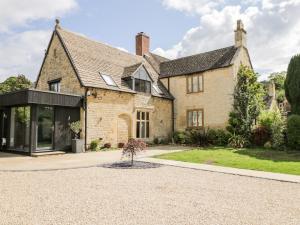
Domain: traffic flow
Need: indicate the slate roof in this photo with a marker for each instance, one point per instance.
(198, 63)
(92, 58)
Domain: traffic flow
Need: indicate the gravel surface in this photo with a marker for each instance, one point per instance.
(164, 195)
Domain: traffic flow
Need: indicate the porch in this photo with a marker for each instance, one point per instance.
(37, 121)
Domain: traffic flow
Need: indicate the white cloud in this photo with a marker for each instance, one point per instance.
(16, 13)
(23, 52)
(273, 29)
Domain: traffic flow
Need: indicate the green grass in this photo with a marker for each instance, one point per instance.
(253, 159)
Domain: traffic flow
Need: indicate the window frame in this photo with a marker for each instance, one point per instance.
(187, 118)
(142, 83)
(139, 127)
(55, 82)
(189, 80)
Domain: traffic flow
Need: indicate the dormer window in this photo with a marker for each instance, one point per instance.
(142, 86)
(108, 80)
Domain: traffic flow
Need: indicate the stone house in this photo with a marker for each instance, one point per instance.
(117, 95)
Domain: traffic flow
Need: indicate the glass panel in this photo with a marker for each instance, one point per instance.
(55, 86)
(142, 86)
(147, 115)
(137, 85)
(195, 84)
(143, 129)
(143, 115)
(190, 119)
(138, 115)
(45, 128)
(138, 129)
(200, 114)
(195, 118)
(20, 128)
(148, 87)
(108, 80)
(147, 130)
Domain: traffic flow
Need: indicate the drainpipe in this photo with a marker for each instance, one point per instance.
(85, 118)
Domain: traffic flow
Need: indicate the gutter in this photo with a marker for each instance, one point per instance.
(85, 118)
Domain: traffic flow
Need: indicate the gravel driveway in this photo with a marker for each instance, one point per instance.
(164, 195)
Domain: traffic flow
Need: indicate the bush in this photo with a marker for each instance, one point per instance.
(260, 136)
(107, 145)
(198, 137)
(180, 137)
(293, 132)
(237, 141)
(121, 145)
(156, 141)
(218, 137)
(95, 145)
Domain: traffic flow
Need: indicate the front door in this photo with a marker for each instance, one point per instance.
(45, 128)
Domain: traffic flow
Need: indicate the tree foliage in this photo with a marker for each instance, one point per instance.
(279, 78)
(14, 83)
(292, 84)
(133, 147)
(248, 102)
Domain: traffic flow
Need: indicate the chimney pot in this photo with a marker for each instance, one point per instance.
(142, 44)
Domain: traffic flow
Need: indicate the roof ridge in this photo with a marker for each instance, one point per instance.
(97, 42)
(173, 60)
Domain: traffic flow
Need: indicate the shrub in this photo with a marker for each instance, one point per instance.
(107, 145)
(293, 132)
(198, 137)
(156, 141)
(237, 141)
(180, 137)
(218, 137)
(95, 145)
(260, 136)
(76, 128)
(121, 145)
(133, 147)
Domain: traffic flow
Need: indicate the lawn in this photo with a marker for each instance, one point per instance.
(253, 159)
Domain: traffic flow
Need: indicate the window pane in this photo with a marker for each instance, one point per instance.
(147, 115)
(138, 129)
(147, 130)
(138, 115)
(143, 115)
(195, 84)
(142, 84)
(137, 85)
(143, 129)
(190, 119)
(148, 87)
(195, 118)
(200, 116)
(108, 80)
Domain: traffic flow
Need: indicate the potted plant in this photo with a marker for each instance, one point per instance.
(77, 144)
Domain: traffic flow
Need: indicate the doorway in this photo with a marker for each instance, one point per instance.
(45, 128)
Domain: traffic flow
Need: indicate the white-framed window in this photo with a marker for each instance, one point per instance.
(194, 83)
(195, 118)
(108, 80)
(142, 124)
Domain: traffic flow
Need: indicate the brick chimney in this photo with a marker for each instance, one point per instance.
(240, 35)
(142, 44)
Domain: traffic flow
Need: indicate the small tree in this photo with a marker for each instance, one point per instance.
(132, 148)
(292, 84)
(76, 128)
(248, 102)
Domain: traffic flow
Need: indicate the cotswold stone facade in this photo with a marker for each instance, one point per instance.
(145, 95)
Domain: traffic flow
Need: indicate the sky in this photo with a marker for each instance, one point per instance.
(177, 28)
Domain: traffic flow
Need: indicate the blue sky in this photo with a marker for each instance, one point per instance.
(177, 28)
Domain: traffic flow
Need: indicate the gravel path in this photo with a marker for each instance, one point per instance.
(164, 195)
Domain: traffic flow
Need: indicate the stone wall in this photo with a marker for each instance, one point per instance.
(111, 114)
(58, 66)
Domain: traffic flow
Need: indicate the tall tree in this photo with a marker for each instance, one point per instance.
(15, 83)
(292, 84)
(248, 102)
